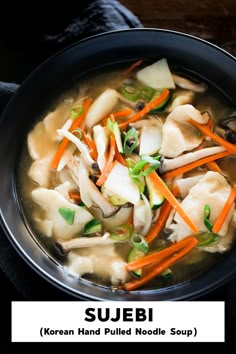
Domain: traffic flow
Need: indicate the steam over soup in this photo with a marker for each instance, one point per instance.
(131, 181)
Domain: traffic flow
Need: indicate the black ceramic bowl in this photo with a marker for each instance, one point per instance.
(48, 82)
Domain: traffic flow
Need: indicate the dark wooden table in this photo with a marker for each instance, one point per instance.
(212, 20)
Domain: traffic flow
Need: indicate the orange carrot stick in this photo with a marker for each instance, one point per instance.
(205, 130)
(109, 164)
(92, 147)
(119, 157)
(131, 68)
(178, 171)
(164, 190)
(164, 213)
(147, 108)
(159, 268)
(159, 255)
(124, 113)
(224, 212)
(65, 142)
(213, 166)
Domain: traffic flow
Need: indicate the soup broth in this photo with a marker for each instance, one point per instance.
(126, 168)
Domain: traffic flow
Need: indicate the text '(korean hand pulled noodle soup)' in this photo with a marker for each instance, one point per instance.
(129, 182)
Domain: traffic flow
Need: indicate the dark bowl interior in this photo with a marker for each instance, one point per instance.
(47, 83)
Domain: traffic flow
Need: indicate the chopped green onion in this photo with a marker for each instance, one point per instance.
(76, 111)
(207, 214)
(139, 242)
(130, 162)
(78, 133)
(129, 92)
(67, 214)
(147, 93)
(137, 171)
(206, 238)
(130, 141)
(121, 232)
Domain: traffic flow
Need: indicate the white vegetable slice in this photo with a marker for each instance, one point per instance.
(101, 107)
(157, 75)
(101, 142)
(150, 140)
(120, 183)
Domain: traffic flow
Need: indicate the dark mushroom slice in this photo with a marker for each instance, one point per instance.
(227, 129)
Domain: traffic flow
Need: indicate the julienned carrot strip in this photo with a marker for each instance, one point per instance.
(124, 113)
(224, 212)
(147, 108)
(119, 157)
(65, 142)
(92, 147)
(75, 195)
(164, 213)
(159, 268)
(159, 255)
(81, 117)
(213, 166)
(205, 130)
(126, 72)
(191, 166)
(56, 159)
(164, 190)
(109, 164)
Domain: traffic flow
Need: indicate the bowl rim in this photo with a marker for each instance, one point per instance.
(191, 295)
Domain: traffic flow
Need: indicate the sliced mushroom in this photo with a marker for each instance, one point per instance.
(79, 144)
(187, 84)
(180, 98)
(64, 247)
(170, 164)
(227, 129)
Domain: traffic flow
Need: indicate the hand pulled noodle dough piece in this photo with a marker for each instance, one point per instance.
(50, 201)
(88, 260)
(178, 135)
(56, 119)
(39, 143)
(211, 189)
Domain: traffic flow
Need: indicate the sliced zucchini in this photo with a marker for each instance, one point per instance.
(134, 254)
(92, 227)
(156, 199)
